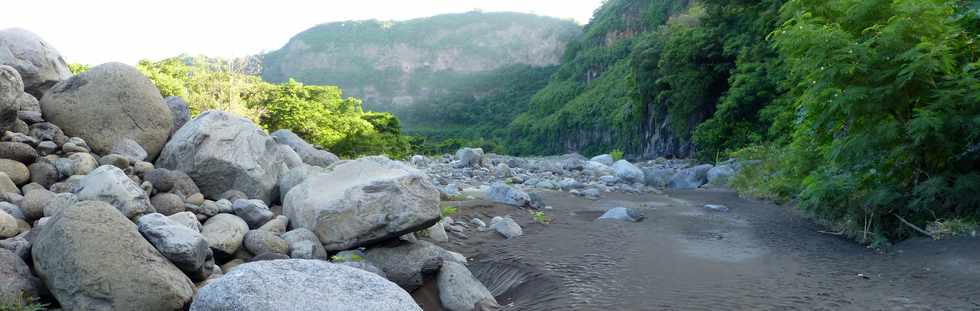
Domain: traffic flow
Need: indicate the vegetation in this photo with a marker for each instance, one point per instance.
(21, 303)
(319, 114)
(540, 217)
(449, 211)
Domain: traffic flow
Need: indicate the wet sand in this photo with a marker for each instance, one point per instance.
(758, 256)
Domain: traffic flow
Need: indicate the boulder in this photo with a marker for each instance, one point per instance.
(93, 258)
(83, 163)
(183, 246)
(469, 157)
(720, 175)
(186, 219)
(11, 87)
(167, 203)
(506, 194)
(221, 152)
(7, 185)
(363, 202)
(623, 214)
(296, 176)
(254, 212)
(306, 151)
(627, 171)
(603, 159)
(57, 202)
(178, 111)
(657, 177)
(18, 172)
(224, 233)
(39, 64)
(572, 162)
(19, 152)
(112, 107)
(690, 178)
(8, 225)
(177, 182)
(281, 285)
(506, 227)
(303, 244)
(259, 242)
(404, 263)
(459, 290)
(17, 277)
(44, 172)
(109, 184)
(502, 170)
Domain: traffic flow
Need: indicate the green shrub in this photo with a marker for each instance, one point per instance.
(616, 154)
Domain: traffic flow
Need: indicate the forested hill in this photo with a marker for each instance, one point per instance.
(389, 64)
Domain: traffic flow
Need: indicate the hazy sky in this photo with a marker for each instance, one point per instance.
(97, 31)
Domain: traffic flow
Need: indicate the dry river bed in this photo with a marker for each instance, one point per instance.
(757, 256)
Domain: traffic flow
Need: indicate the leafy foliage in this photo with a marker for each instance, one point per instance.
(888, 114)
(319, 114)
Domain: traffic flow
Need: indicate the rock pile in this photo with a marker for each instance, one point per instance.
(119, 200)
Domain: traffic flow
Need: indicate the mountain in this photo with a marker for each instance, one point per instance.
(391, 64)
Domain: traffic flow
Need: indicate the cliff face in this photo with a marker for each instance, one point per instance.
(392, 64)
(596, 102)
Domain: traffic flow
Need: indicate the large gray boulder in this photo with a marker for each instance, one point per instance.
(297, 284)
(92, 258)
(690, 178)
(109, 184)
(306, 151)
(469, 157)
(112, 107)
(183, 246)
(17, 277)
(222, 152)
(296, 176)
(627, 171)
(363, 202)
(404, 263)
(506, 194)
(459, 290)
(39, 64)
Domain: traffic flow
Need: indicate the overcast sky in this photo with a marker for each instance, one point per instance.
(97, 31)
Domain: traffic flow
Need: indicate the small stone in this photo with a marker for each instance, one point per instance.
(195, 199)
(186, 219)
(254, 212)
(18, 151)
(276, 225)
(83, 163)
(6, 185)
(18, 172)
(303, 244)
(507, 227)
(167, 203)
(716, 208)
(261, 242)
(44, 173)
(115, 160)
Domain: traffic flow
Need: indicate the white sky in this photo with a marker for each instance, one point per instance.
(97, 31)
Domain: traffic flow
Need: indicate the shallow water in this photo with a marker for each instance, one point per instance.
(758, 256)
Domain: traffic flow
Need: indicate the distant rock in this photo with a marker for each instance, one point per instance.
(658, 177)
(282, 285)
(306, 151)
(111, 106)
(717, 208)
(363, 202)
(109, 184)
(506, 194)
(690, 178)
(720, 175)
(627, 171)
(39, 64)
(623, 214)
(92, 258)
(469, 157)
(603, 159)
(222, 152)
